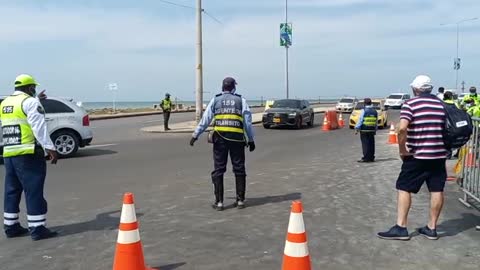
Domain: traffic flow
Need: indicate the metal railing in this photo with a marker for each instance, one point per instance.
(469, 178)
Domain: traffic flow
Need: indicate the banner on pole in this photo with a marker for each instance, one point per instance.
(286, 34)
(113, 87)
(457, 64)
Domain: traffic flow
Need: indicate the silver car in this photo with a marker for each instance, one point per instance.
(346, 104)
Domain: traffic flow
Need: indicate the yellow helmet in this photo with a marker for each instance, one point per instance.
(24, 79)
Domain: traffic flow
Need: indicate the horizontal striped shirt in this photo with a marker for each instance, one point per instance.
(426, 117)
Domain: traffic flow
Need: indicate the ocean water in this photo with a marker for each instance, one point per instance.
(150, 104)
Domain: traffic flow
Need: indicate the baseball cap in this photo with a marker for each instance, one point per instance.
(422, 83)
(229, 82)
(367, 100)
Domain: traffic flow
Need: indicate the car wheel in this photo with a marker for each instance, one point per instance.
(351, 127)
(266, 126)
(299, 123)
(312, 120)
(66, 143)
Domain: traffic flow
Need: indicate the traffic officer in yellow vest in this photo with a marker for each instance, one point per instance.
(471, 99)
(233, 120)
(166, 106)
(367, 125)
(27, 146)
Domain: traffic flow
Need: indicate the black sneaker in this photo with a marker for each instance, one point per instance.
(41, 232)
(395, 233)
(15, 230)
(428, 233)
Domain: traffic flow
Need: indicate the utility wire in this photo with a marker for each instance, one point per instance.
(175, 4)
(190, 7)
(211, 16)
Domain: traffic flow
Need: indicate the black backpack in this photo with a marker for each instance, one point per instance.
(458, 127)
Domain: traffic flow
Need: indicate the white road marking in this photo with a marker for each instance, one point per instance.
(152, 121)
(101, 145)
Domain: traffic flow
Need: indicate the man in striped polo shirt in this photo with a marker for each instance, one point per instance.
(420, 139)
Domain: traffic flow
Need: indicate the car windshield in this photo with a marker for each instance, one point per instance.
(346, 100)
(286, 103)
(361, 105)
(395, 96)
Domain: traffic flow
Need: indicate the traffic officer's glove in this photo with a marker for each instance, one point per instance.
(192, 141)
(251, 146)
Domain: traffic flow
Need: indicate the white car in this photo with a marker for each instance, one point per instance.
(68, 125)
(396, 100)
(346, 104)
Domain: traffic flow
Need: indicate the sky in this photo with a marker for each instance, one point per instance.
(340, 47)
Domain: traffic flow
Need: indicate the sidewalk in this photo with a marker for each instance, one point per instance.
(189, 127)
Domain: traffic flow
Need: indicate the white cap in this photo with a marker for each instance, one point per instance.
(422, 83)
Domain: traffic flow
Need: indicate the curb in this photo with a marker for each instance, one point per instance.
(107, 117)
(192, 130)
(128, 115)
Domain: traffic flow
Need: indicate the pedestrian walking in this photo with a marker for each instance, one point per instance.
(367, 126)
(424, 154)
(166, 106)
(232, 132)
(27, 146)
(441, 92)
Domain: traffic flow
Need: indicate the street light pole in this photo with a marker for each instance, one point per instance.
(457, 68)
(457, 59)
(199, 66)
(286, 52)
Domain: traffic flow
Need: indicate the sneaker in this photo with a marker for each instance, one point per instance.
(428, 233)
(41, 232)
(240, 204)
(218, 206)
(395, 233)
(15, 230)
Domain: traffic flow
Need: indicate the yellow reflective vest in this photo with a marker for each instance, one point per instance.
(18, 137)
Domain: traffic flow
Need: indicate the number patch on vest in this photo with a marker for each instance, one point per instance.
(7, 109)
(12, 135)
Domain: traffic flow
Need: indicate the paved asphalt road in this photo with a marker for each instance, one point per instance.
(345, 205)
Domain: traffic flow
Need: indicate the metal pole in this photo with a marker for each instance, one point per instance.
(199, 68)
(286, 52)
(458, 37)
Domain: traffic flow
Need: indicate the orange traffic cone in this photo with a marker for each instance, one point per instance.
(341, 123)
(129, 251)
(392, 136)
(295, 255)
(326, 124)
(470, 159)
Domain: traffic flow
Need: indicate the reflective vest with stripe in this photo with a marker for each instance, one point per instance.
(228, 118)
(370, 118)
(18, 137)
(166, 104)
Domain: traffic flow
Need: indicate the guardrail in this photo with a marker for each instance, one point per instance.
(469, 179)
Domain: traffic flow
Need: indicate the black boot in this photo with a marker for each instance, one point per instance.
(16, 230)
(218, 191)
(40, 233)
(240, 183)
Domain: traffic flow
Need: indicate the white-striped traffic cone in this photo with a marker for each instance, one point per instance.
(296, 255)
(129, 251)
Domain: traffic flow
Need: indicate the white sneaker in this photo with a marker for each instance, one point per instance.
(240, 204)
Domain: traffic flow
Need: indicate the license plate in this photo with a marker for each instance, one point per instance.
(276, 120)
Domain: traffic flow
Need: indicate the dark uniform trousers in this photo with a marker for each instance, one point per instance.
(221, 149)
(368, 145)
(27, 174)
(166, 118)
